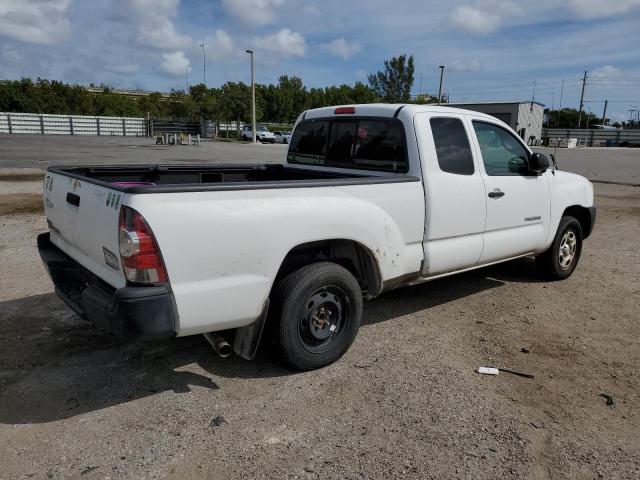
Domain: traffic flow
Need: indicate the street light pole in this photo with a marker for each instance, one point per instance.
(440, 89)
(253, 99)
(204, 66)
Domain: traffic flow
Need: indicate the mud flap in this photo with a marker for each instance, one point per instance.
(247, 338)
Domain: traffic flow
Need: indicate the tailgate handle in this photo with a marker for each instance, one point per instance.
(73, 199)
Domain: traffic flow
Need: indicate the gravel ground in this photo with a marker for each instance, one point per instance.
(42, 151)
(403, 403)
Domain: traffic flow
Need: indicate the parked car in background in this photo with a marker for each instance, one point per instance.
(282, 137)
(262, 134)
(369, 198)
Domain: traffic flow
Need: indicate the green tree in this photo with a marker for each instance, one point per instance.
(235, 102)
(568, 118)
(153, 104)
(394, 83)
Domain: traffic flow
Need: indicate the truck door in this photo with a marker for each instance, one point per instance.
(455, 196)
(518, 204)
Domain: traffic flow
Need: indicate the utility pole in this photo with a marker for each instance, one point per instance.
(204, 66)
(533, 92)
(533, 96)
(440, 89)
(560, 106)
(584, 82)
(604, 114)
(420, 90)
(253, 99)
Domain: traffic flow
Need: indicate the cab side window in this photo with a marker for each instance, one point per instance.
(452, 146)
(502, 153)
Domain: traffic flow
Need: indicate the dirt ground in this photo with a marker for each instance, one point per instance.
(403, 403)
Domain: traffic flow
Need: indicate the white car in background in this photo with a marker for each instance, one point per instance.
(282, 137)
(263, 134)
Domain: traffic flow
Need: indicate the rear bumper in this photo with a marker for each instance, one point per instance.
(136, 313)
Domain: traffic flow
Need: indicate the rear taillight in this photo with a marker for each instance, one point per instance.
(139, 250)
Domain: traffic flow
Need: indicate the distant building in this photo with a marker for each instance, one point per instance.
(524, 117)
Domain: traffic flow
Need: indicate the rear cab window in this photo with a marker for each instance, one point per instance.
(362, 143)
(452, 145)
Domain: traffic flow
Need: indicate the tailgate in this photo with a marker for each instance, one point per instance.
(83, 222)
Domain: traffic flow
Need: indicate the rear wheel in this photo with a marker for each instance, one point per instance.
(320, 311)
(561, 259)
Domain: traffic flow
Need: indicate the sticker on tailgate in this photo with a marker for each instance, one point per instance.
(113, 200)
(110, 258)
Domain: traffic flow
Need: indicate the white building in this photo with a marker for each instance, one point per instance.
(524, 117)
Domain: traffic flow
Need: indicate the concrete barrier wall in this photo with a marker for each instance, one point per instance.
(45, 124)
(595, 137)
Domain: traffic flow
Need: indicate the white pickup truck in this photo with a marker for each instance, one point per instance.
(369, 198)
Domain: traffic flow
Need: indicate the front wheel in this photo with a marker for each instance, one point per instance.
(561, 259)
(320, 310)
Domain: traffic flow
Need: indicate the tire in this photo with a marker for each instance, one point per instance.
(245, 138)
(285, 141)
(561, 258)
(319, 309)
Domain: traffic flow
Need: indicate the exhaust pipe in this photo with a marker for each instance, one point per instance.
(219, 344)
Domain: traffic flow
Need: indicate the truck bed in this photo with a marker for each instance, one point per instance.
(179, 178)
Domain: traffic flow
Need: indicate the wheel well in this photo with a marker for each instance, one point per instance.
(582, 215)
(352, 255)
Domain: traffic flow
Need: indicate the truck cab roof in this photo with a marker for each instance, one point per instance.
(387, 110)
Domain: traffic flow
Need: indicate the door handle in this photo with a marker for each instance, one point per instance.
(497, 193)
(73, 199)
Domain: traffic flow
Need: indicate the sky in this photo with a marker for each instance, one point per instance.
(492, 49)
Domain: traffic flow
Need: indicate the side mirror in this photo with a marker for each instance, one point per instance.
(538, 163)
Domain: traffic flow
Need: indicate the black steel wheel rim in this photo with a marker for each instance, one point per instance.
(323, 318)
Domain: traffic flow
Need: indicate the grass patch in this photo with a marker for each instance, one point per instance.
(20, 203)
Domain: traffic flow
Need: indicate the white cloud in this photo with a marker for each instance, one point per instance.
(606, 76)
(341, 48)
(123, 68)
(253, 12)
(10, 55)
(472, 65)
(284, 43)
(589, 9)
(218, 46)
(154, 26)
(473, 20)
(35, 21)
(311, 10)
(175, 63)
(606, 72)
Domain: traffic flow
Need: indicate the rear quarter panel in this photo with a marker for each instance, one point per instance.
(223, 249)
